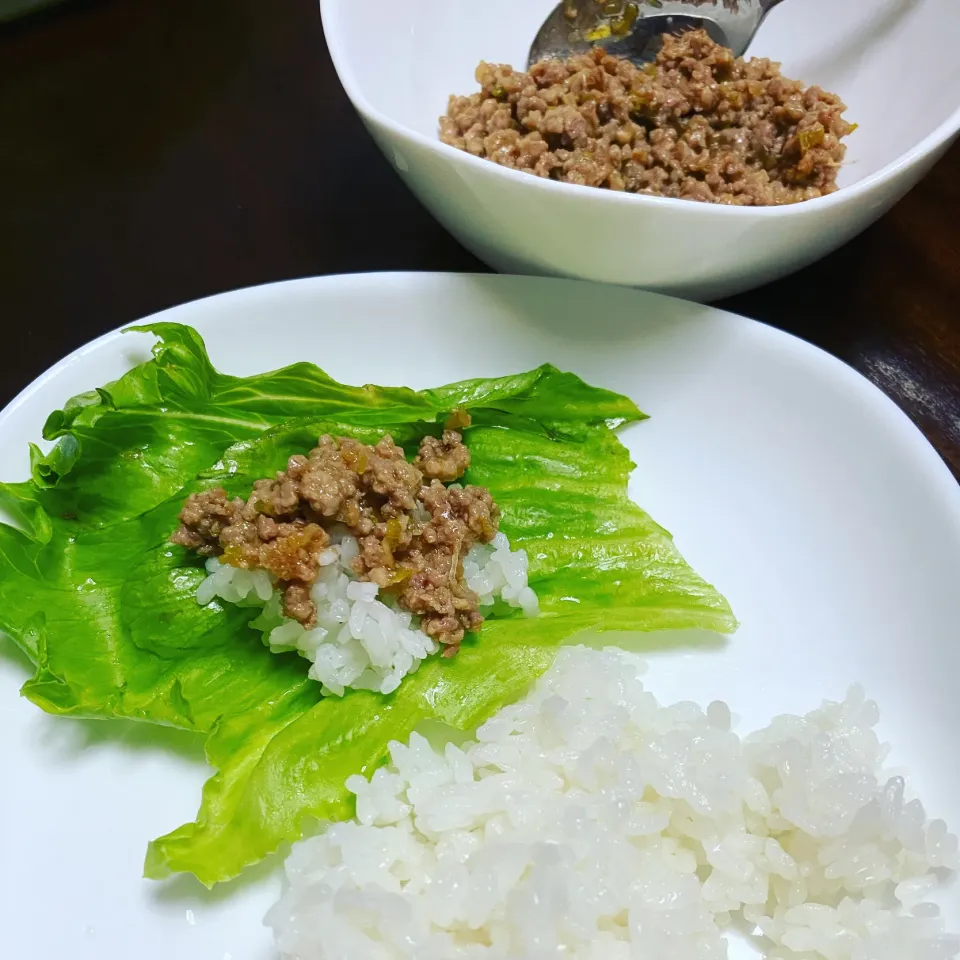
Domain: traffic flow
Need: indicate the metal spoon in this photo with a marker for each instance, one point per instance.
(633, 28)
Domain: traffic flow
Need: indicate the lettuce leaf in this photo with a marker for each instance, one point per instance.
(95, 595)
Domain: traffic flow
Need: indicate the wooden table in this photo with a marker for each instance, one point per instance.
(155, 151)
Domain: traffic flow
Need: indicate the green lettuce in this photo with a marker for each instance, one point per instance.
(95, 595)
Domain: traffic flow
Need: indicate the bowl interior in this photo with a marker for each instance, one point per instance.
(892, 61)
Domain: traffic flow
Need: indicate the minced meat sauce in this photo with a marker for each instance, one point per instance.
(697, 124)
(413, 532)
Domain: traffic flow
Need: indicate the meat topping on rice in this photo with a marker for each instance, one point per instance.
(413, 532)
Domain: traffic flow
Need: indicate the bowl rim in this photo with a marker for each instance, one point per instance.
(941, 135)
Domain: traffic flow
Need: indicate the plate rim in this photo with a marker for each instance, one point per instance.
(925, 465)
(923, 450)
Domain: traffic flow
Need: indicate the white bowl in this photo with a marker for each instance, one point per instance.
(894, 62)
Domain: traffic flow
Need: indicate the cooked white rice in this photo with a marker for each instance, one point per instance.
(360, 640)
(589, 821)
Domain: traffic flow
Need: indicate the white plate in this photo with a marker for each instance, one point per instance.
(787, 479)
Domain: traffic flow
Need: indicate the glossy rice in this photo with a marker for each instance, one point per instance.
(589, 821)
(363, 639)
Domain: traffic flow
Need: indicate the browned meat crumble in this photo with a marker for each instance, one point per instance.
(698, 124)
(413, 531)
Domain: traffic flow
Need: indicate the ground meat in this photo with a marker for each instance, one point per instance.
(412, 531)
(202, 520)
(458, 512)
(297, 603)
(241, 533)
(444, 459)
(388, 474)
(698, 124)
(436, 591)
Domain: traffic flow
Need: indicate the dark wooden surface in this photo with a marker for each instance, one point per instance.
(155, 151)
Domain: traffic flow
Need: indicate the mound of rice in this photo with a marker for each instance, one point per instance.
(363, 640)
(589, 821)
